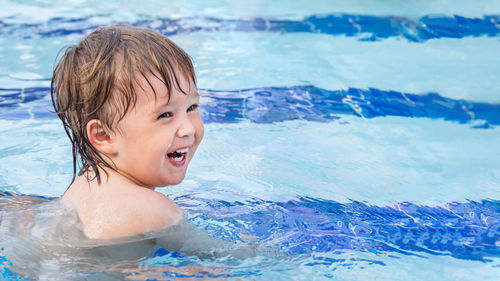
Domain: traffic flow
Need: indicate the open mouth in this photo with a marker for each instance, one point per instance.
(178, 157)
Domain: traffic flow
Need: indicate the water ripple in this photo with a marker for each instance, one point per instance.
(277, 104)
(368, 27)
(309, 225)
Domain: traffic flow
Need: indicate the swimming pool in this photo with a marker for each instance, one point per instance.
(343, 140)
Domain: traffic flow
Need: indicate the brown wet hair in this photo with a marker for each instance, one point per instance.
(95, 79)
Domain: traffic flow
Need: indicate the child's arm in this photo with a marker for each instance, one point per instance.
(187, 239)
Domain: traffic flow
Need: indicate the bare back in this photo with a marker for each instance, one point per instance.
(118, 207)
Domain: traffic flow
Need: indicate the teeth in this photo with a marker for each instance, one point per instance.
(182, 150)
(178, 155)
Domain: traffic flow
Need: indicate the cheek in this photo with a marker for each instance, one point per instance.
(200, 131)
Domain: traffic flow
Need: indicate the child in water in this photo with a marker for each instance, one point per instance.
(128, 101)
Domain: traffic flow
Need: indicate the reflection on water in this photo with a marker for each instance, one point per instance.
(42, 237)
(336, 180)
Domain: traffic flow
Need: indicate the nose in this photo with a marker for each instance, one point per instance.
(186, 127)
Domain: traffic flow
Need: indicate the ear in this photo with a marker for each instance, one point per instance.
(100, 138)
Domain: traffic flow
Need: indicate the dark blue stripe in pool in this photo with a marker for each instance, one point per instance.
(277, 104)
(308, 225)
(366, 26)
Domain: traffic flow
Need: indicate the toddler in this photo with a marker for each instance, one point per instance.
(128, 101)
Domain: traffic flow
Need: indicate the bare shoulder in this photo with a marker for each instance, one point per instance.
(134, 212)
(155, 209)
(111, 211)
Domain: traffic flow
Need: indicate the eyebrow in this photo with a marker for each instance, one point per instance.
(195, 94)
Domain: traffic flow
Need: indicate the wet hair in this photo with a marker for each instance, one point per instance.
(95, 79)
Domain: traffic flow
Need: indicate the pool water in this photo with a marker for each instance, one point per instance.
(343, 140)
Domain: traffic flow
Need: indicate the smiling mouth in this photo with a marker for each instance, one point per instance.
(178, 157)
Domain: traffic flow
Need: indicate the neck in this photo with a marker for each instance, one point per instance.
(112, 176)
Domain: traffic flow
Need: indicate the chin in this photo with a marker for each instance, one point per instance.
(171, 182)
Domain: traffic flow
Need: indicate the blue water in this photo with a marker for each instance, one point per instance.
(276, 104)
(371, 28)
(343, 141)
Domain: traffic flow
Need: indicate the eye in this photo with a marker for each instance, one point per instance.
(193, 107)
(165, 115)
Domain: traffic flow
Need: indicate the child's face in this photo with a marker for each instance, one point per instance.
(156, 140)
